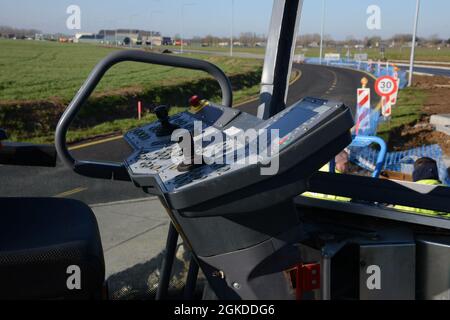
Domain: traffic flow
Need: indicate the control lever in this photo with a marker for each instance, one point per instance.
(166, 128)
(189, 155)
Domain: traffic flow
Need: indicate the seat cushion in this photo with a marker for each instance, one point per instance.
(49, 249)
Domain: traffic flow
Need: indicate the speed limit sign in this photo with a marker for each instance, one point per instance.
(386, 86)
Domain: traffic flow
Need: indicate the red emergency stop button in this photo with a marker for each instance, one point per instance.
(194, 101)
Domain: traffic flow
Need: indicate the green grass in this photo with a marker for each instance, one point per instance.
(257, 50)
(406, 112)
(34, 70)
(38, 79)
(424, 54)
(119, 126)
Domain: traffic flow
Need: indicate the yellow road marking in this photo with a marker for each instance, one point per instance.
(297, 77)
(70, 192)
(93, 143)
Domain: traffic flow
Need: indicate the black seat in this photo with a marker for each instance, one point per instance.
(46, 246)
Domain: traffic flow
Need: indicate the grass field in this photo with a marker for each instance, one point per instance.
(38, 79)
(407, 111)
(32, 70)
(422, 54)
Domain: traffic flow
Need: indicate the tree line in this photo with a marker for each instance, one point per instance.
(10, 32)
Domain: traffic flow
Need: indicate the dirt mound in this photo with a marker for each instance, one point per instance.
(422, 133)
(438, 94)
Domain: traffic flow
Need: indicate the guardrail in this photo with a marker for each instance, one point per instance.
(376, 69)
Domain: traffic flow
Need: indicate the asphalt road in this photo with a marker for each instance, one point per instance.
(435, 71)
(316, 81)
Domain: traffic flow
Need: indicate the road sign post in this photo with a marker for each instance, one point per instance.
(386, 86)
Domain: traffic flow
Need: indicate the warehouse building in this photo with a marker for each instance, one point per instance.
(122, 37)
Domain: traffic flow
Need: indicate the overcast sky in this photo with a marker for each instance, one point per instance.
(343, 17)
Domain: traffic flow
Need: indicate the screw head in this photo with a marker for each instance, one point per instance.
(236, 285)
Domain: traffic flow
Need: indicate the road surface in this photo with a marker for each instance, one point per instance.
(316, 81)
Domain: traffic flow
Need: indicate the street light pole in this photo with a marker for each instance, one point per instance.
(322, 30)
(413, 44)
(182, 22)
(232, 28)
(152, 13)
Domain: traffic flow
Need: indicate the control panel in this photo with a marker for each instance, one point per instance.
(226, 149)
(147, 138)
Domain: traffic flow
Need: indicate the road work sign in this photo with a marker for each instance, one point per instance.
(363, 111)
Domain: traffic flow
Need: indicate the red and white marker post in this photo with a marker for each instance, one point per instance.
(386, 107)
(139, 110)
(363, 108)
(395, 94)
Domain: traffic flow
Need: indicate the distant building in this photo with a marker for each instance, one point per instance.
(88, 38)
(121, 37)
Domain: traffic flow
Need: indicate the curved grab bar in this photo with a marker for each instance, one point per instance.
(115, 170)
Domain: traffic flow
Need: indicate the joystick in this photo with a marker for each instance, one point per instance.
(189, 156)
(166, 128)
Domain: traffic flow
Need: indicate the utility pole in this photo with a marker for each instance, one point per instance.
(413, 44)
(322, 30)
(131, 21)
(152, 13)
(232, 28)
(182, 23)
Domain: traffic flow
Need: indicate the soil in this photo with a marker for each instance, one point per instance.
(422, 133)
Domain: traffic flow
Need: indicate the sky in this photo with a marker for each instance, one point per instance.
(201, 17)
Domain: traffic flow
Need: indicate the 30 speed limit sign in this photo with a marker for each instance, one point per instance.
(386, 86)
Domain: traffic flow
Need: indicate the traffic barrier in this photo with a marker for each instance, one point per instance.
(378, 70)
(402, 161)
(366, 142)
(395, 161)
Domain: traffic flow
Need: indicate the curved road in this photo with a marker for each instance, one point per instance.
(316, 81)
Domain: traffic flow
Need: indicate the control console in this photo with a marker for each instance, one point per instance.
(235, 158)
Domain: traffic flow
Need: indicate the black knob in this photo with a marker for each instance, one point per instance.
(162, 112)
(3, 135)
(166, 128)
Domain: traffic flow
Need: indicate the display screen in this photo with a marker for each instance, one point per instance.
(292, 120)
